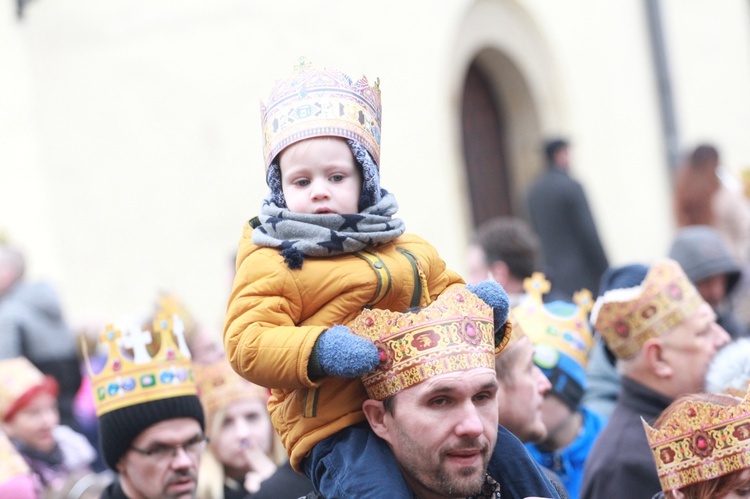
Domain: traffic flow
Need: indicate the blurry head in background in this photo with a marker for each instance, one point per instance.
(504, 249)
(557, 154)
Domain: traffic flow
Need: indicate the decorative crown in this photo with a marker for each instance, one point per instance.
(317, 103)
(17, 376)
(218, 386)
(626, 318)
(453, 333)
(127, 380)
(701, 441)
(569, 334)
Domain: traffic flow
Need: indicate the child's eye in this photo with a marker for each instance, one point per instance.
(302, 183)
(337, 178)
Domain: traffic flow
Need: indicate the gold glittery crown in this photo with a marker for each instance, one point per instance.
(318, 103)
(626, 318)
(701, 441)
(453, 333)
(569, 334)
(127, 379)
(219, 386)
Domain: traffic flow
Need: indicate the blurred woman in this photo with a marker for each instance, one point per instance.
(243, 449)
(701, 445)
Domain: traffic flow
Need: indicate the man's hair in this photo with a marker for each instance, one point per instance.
(389, 404)
(551, 147)
(510, 240)
(504, 365)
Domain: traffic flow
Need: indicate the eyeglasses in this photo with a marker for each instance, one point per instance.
(193, 448)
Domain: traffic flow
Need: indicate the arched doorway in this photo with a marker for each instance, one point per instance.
(484, 146)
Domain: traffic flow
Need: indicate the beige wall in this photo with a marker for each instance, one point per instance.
(131, 139)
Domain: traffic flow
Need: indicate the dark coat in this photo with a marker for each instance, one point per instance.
(573, 254)
(621, 465)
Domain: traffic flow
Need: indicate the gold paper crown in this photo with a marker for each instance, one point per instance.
(626, 318)
(569, 334)
(319, 103)
(219, 386)
(701, 441)
(17, 376)
(12, 464)
(129, 380)
(453, 333)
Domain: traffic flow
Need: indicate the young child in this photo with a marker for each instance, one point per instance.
(325, 246)
(30, 418)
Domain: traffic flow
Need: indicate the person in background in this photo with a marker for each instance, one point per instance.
(437, 374)
(560, 215)
(562, 340)
(30, 418)
(151, 422)
(664, 336)
(705, 258)
(506, 250)
(244, 450)
(700, 445)
(32, 325)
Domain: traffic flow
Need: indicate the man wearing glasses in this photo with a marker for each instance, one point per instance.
(151, 422)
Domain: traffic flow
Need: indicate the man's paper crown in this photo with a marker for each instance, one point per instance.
(219, 386)
(701, 441)
(318, 103)
(127, 380)
(626, 318)
(453, 333)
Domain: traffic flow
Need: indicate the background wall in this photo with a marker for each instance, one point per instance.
(130, 134)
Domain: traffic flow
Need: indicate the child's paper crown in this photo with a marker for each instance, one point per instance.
(319, 103)
(453, 333)
(561, 335)
(127, 380)
(219, 386)
(701, 441)
(626, 318)
(17, 377)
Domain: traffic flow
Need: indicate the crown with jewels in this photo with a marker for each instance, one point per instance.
(453, 333)
(127, 379)
(569, 334)
(219, 386)
(626, 318)
(701, 441)
(317, 103)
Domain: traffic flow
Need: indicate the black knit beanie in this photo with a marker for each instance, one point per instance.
(118, 428)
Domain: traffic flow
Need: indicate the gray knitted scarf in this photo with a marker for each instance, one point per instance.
(298, 235)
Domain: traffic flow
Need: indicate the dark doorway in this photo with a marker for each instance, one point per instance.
(484, 148)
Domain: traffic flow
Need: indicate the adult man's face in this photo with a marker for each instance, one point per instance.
(169, 472)
(442, 432)
(690, 347)
(521, 393)
(713, 289)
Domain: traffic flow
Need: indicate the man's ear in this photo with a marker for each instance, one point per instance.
(375, 414)
(653, 352)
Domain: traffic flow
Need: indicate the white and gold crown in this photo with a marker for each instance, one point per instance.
(132, 376)
(318, 103)
(701, 441)
(219, 385)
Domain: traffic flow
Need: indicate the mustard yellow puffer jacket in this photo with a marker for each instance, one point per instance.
(275, 315)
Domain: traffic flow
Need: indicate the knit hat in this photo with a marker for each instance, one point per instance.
(702, 253)
(118, 429)
(561, 335)
(20, 383)
(136, 390)
(729, 371)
